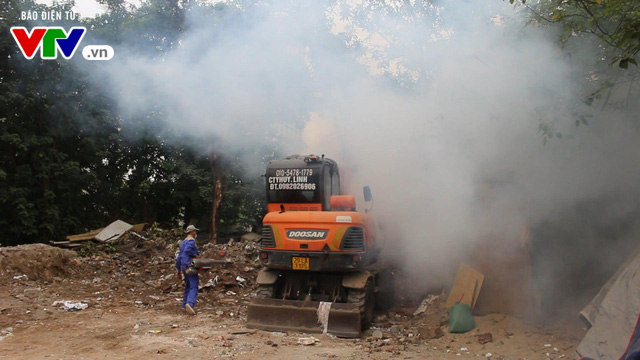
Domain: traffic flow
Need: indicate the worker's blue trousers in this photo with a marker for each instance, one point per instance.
(190, 289)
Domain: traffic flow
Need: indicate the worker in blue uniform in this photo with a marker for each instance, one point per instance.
(188, 251)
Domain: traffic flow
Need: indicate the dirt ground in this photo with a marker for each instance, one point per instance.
(132, 299)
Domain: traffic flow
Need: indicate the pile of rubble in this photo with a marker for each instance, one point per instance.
(139, 271)
(36, 262)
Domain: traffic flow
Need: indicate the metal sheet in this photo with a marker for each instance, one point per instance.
(113, 231)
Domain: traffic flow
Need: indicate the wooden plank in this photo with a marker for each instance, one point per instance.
(66, 244)
(466, 287)
(89, 235)
(72, 245)
(139, 227)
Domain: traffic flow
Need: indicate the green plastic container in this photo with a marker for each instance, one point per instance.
(460, 319)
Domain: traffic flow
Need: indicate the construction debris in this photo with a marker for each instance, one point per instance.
(466, 287)
(70, 305)
(323, 315)
(484, 338)
(306, 341)
(89, 235)
(137, 275)
(424, 305)
(113, 231)
(250, 237)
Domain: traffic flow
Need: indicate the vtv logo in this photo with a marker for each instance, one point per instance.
(49, 40)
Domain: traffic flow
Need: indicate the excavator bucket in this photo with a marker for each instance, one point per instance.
(302, 316)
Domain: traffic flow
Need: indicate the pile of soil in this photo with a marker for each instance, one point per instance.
(36, 262)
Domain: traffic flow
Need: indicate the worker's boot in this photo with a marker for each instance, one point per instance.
(190, 309)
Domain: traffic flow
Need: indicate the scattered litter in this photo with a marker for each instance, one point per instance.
(230, 293)
(21, 277)
(253, 237)
(488, 355)
(555, 349)
(394, 329)
(484, 338)
(155, 331)
(547, 345)
(424, 305)
(307, 341)
(464, 349)
(323, 315)
(243, 332)
(70, 305)
(211, 283)
(138, 235)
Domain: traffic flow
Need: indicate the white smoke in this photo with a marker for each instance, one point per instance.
(438, 111)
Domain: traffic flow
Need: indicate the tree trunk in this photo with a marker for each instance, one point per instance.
(216, 173)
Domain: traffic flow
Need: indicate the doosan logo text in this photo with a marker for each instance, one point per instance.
(51, 40)
(306, 234)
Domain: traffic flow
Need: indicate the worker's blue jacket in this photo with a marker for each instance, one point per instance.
(188, 251)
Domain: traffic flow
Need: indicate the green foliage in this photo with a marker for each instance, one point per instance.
(607, 29)
(616, 23)
(88, 249)
(70, 163)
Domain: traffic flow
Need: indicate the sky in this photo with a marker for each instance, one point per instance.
(86, 8)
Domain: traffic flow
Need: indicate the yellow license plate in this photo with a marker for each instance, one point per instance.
(300, 263)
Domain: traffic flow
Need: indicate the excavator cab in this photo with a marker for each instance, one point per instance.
(317, 252)
(302, 183)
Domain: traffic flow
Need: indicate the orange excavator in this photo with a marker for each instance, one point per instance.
(319, 255)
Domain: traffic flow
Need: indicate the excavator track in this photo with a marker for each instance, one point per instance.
(364, 299)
